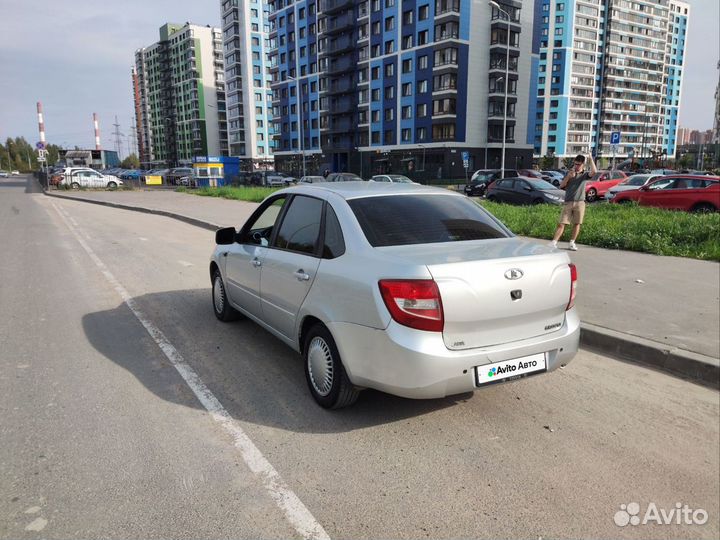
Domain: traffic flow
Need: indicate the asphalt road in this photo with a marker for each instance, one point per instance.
(100, 436)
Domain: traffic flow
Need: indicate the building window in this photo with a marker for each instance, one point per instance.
(389, 23)
(375, 137)
(424, 12)
(406, 134)
(375, 73)
(389, 92)
(389, 137)
(375, 115)
(422, 62)
(422, 110)
(389, 70)
(389, 114)
(407, 112)
(407, 42)
(375, 94)
(407, 65)
(422, 86)
(407, 89)
(408, 17)
(420, 134)
(422, 38)
(389, 46)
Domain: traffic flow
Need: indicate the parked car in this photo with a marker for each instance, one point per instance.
(411, 290)
(133, 174)
(271, 179)
(554, 177)
(482, 178)
(312, 179)
(343, 177)
(241, 178)
(636, 181)
(525, 191)
(392, 178)
(4, 174)
(174, 175)
(528, 173)
(692, 193)
(15, 173)
(598, 185)
(77, 177)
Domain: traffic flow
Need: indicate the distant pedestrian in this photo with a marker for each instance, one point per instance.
(573, 210)
(326, 172)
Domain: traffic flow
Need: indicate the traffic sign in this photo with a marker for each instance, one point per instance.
(615, 137)
(466, 159)
(40, 145)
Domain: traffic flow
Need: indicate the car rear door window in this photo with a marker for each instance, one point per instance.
(334, 244)
(423, 219)
(300, 227)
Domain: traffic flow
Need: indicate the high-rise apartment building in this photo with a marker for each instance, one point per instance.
(716, 117)
(179, 85)
(399, 85)
(605, 66)
(249, 96)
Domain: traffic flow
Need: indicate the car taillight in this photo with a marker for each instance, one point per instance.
(414, 302)
(573, 286)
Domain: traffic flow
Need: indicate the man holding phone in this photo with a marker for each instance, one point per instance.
(574, 208)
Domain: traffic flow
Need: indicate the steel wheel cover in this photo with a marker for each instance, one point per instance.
(320, 366)
(218, 295)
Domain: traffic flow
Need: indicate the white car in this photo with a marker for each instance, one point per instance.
(4, 174)
(410, 290)
(392, 178)
(84, 177)
(636, 181)
(312, 179)
(15, 173)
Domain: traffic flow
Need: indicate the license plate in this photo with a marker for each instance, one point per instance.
(510, 369)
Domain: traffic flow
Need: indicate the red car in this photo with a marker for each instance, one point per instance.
(677, 192)
(598, 185)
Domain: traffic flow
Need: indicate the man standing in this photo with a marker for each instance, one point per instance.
(574, 207)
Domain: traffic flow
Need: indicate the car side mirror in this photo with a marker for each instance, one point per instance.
(225, 236)
(528, 188)
(643, 188)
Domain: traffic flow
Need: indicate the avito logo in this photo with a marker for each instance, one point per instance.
(500, 370)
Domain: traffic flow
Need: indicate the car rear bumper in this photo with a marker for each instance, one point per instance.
(416, 364)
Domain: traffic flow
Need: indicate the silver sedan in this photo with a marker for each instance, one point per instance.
(414, 291)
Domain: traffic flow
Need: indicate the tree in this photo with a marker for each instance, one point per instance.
(568, 162)
(546, 162)
(130, 162)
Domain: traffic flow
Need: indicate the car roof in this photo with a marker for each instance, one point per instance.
(356, 190)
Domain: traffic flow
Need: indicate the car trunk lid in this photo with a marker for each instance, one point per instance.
(495, 291)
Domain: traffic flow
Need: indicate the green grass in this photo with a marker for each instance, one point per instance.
(619, 226)
(249, 194)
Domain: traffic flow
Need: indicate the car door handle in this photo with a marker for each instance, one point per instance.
(301, 275)
(256, 263)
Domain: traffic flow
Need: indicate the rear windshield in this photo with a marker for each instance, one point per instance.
(401, 220)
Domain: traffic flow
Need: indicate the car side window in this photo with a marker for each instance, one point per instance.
(300, 227)
(260, 230)
(661, 184)
(334, 244)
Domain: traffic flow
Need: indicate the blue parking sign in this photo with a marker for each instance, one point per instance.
(466, 156)
(615, 137)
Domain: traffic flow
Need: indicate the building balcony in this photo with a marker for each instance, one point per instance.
(340, 24)
(340, 45)
(341, 87)
(334, 6)
(343, 107)
(342, 65)
(444, 36)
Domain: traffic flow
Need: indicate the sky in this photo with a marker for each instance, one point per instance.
(75, 56)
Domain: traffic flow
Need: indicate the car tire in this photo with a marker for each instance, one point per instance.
(704, 208)
(591, 195)
(326, 377)
(221, 307)
(556, 183)
(112, 185)
(492, 198)
(537, 201)
(75, 185)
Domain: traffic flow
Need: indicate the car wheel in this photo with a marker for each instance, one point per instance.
(704, 208)
(222, 308)
(591, 195)
(492, 198)
(112, 185)
(556, 183)
(75, 185)
(538, 201)
(325, 374)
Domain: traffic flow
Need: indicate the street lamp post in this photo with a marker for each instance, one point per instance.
(507, 82)
(302, 134)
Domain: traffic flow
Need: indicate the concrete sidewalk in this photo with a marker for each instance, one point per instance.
(662, 311)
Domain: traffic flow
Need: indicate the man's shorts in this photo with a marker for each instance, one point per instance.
(573, 213)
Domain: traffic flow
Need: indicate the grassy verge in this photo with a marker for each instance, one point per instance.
(629, 227)
(249, 194)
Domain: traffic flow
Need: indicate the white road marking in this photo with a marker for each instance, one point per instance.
(37, 525)
(32, 510)
(185, 263)
(292, 507)
(142, 238)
